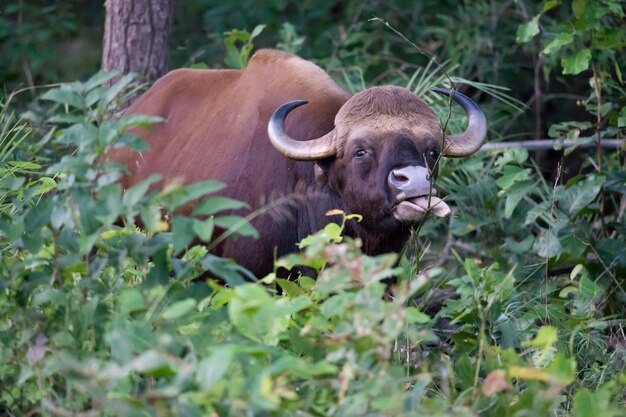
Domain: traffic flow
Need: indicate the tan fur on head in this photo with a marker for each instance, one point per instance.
(385, 108)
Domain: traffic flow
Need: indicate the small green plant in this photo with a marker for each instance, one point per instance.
(239, 46)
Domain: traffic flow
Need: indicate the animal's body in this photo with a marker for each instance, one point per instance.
(373, 153)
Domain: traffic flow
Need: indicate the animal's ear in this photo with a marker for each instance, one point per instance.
(320, 174)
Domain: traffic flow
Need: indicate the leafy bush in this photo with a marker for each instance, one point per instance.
(512, 306)
(106, 318)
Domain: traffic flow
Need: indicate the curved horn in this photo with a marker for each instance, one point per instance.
(301, 150)
(472, 139)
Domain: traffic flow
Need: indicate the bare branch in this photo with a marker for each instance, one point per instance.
(547, 144)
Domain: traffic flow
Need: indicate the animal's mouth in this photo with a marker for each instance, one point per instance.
(412, 209)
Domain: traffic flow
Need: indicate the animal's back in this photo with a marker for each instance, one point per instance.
(215, 121)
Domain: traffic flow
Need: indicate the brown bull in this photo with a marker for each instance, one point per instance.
(373, 153)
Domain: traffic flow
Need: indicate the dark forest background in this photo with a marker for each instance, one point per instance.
(45, 42)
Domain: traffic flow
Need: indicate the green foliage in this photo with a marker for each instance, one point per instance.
(588, 23)
(588, 36)
(109, 319)
(512, 306)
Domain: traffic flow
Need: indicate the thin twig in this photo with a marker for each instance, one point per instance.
(597, 85)
(548, 236)
(537, 96)
(445, 252)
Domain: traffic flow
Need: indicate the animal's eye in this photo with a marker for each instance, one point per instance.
(433, 153)
(360, 153)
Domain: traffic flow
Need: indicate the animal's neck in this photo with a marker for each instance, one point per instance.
(375, 244)
(312, 215)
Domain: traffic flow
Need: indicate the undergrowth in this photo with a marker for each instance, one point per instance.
(511, 306)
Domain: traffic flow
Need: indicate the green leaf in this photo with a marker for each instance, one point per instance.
(24, 165)
(179, 196)
(612, 251)
(50, 296)
(65, 118)
(577, 63)
(615, 7)
(512, 174)
(527, 31)
(179, 309)
(568, 291)
(546, 338)
(592, 404)
(133, 195)
(464, 371)
(621, 119)
(578, 7)
(204, 228)
(212, 205)
(577, 197)
(257, 31)
(159, 273)
(289, 287)
(337, 305)
(99, 78)
(117, 88)
(578, 269)
(137, 120)
(508, 156)
(587, 288)
(544, 342)
(45, 184)
(232, 273)
(109, 199)
(289, 306)
(562, 369)
(306, 282)
(94, 96)
(131, 300)
(331, 233)
(609, 38)
(515, 194)
(38, 216)
(561, 40)
(550, 4)
(573, 244)
(413, 315)
(618, 72)
(183, 232)
(64, 96)
(547, 245)
(255, 314)
(237, 225)
(213, 368)
(152, 363)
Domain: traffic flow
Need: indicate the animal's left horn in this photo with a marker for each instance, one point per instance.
(309, 150)
(472, 139)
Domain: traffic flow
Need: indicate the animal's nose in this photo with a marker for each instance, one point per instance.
(410, 180)
(398, 178)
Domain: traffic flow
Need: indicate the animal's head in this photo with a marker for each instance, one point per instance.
(381, 157)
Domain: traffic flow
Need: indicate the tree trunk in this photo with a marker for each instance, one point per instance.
(136, 36)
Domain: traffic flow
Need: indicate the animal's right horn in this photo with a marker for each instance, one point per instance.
(309, 150)
(472, 139)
